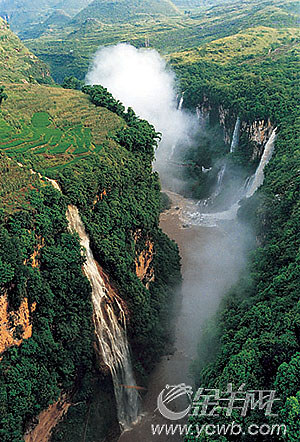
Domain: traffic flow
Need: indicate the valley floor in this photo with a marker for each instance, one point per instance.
(197, 271)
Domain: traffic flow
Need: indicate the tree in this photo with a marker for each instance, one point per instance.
(72, 83)
(3, 95)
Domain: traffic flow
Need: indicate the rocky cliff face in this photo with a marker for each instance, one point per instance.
(15, 326)
(144, 261)
(45, 422)
(258, 132)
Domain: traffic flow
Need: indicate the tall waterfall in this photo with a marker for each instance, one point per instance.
(110, 325)
(194, 216)
(236, 135)
(257, 180)
(219, 181)
(180, 104)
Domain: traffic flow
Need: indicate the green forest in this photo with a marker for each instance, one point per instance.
(255, 334)
(240, 57)
(59, 358)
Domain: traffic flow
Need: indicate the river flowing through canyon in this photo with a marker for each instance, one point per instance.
(210, 265)
(213, 248)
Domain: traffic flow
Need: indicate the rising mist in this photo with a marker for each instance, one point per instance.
(141, 79)
(213, 257)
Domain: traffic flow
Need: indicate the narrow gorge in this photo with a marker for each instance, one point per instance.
(149, 220)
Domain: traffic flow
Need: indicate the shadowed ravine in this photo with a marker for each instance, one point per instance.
(209, 267)
(213, 248)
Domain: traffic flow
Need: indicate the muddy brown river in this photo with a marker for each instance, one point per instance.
(209, 265)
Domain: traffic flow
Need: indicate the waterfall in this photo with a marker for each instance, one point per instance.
(202, 117)
(236, 135)
(220, 180)
(209, 201)
(256, 181)
(110, 325)
(193, 216)
(180, 104)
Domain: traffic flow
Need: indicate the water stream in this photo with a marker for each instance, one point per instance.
(236, 135)
(213, 255)
(110, 325)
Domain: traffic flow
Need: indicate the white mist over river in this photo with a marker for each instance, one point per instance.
(213, 252)
(140, 79)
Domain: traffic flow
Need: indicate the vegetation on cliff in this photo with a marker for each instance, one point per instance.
(17, 63)
(34, 374)
(102, 157)
(256, 332)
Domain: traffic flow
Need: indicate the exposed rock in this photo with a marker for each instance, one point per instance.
(47, 420)
(223, 116)
(144, 261)
(259, 133)
(15, 326)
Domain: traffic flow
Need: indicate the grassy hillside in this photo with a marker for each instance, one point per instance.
(68, 51)
(17, 63)
(252, 43)
(53, 126)
(126, 10)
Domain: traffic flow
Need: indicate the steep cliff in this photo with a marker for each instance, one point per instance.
(257, 132)
(108, 175)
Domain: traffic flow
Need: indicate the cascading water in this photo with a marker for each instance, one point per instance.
(209, 201)
(179, 108)
(258, 178)
(236, 135)
(219, 181)
(180, 104)
(110, 325)
(194, 216)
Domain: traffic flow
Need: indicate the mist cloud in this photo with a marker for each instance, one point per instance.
(140, 78)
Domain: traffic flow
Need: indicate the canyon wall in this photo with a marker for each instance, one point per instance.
(257, 132)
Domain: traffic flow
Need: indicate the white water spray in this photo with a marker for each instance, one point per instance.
(193, 216)
(110, 325)
(180, 104)
(141, 79)
(236, 135)
(258, 178)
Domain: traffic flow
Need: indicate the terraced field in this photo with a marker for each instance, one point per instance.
(51, 126)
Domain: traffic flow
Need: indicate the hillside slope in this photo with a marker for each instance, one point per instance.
(56, 125)
(126, 10)
(25, 13)
(17, 63)
(69, 50)
(102, 158)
